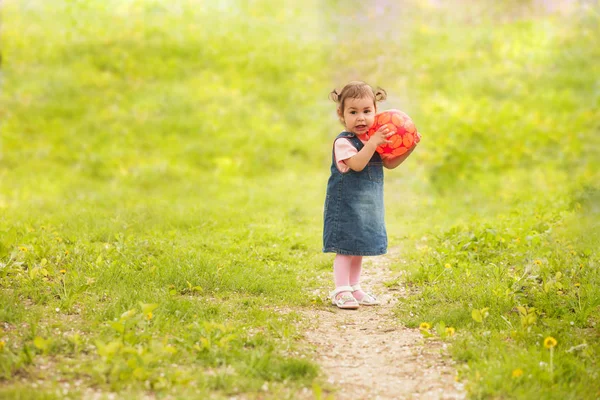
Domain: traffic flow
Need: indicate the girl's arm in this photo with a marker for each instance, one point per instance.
(359, 161)
(394, 162)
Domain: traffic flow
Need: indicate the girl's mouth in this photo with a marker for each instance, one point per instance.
(360, 127)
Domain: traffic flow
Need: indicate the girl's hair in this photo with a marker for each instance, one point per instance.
(356, 90)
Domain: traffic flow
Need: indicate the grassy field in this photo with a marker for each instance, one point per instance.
(162, 175)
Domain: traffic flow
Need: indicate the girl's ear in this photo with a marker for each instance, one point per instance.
(341, 116)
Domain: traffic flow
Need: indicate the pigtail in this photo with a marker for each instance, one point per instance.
(334, 96)
(380, 94)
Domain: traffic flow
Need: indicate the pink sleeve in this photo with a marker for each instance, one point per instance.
(343, 150)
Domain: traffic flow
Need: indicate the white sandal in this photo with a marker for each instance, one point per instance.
(368, 299)
(345, 301)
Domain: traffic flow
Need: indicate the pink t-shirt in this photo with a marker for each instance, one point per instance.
(343, 150)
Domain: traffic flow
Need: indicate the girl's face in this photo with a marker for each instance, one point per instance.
(359, 115)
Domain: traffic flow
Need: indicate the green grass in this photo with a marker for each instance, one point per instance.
(162, 175)
(532, 275)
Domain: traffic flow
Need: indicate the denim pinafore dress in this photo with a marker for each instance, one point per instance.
(354, 215)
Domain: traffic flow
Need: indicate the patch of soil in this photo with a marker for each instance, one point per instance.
(368, 354)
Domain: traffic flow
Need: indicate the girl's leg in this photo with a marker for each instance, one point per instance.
(341, 270)
(343, 291)
(355, 269)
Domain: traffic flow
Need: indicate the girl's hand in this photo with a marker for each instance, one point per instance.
(380, 136)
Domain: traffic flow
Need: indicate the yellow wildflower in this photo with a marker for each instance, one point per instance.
(538, 262)
(550, 342)
(2, 345)
(425, 326)
(517, 373)
(149, 316)
(63, 271)
(450, 331)
(23, 249)
(447, 266)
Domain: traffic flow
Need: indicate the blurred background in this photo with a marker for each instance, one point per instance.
(103, 100)
(170, 152)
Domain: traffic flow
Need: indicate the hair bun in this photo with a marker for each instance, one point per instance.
(334, 96)
(380, 94)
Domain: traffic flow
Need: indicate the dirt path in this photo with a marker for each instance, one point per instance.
(368, 354)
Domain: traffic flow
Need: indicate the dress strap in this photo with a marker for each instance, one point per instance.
(352, 138)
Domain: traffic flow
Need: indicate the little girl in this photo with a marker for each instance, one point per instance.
(354, 223)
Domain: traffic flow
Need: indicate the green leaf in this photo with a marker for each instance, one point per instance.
(205, 343)
(100, 347)
(485, 312)
(226, 339)
(148, 308)
(33, 273)
(41, 343)
(476, 315)
(558, 285)
(426, 333)
(118, 326)
(128, 314)
(440, 328)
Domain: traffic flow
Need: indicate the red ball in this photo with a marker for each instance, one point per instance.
(404, 137)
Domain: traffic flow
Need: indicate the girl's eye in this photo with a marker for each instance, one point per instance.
(352, 112)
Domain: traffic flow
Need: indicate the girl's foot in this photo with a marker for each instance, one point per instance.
(342, 298)
(364, 298)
